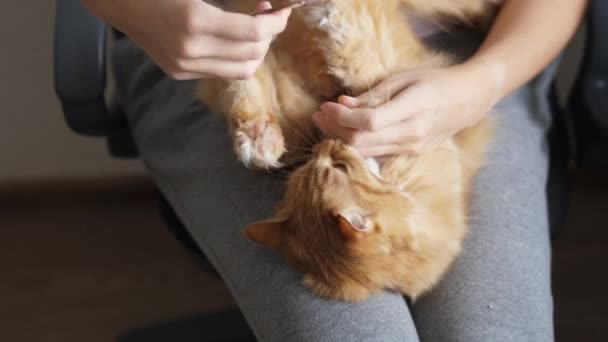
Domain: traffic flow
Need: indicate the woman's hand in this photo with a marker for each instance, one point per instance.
(426, 107)
(412, 111)
(191, 39)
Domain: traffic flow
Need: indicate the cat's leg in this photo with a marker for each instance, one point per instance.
(257, 136)
(251, 107)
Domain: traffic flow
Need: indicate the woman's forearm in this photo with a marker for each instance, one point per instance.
(526, 36)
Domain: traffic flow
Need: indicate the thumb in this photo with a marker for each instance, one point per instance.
(263, 6)
(383, 92)
(349, 101)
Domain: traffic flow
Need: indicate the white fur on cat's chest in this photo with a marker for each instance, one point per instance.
(374, 166)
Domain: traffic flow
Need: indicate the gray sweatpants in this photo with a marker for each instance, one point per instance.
(497, 290)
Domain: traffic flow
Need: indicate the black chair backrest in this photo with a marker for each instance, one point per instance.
(80, 68)
(81, 41)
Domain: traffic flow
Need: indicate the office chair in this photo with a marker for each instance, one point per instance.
(579, 135)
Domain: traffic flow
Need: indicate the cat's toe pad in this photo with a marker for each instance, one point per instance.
(259, 144)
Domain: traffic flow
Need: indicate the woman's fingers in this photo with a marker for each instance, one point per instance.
(384, 91)
(391, 149)
(405, 132)
(215, 47)
(378, 151)
(404, 137)
(348, 101)
(371, 144)
(402, 107)
(242, 27)
(343, 115)
(332, 130)
(218, 43)
(263, 6)
(368, 119)
(197, 68)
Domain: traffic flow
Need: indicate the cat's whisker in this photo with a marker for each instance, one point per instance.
(297, 158)
(348, 92)
(292, 159)
(298, 174)
(294, 128)
(275, 181)
(319, 135)
(294, 162)
(302, 148)
(288, 173)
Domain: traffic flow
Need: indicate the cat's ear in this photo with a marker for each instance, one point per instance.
(267, 233)
(354, 224)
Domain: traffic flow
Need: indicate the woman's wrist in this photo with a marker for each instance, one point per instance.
(489, 75)
(473, 89)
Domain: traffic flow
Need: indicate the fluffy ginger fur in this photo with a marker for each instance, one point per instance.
(352, 232)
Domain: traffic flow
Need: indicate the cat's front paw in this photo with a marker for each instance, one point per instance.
(259, 143)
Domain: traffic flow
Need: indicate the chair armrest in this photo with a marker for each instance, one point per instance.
(589, 100)
(80, 67)
(595, 67)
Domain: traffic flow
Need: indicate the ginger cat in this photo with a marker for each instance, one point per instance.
(353, 226)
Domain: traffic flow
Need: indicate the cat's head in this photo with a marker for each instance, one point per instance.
(337, 220)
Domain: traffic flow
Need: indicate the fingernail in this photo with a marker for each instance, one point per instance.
(348, 101)
(324, 106)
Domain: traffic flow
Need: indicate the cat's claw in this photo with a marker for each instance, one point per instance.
(259, 144)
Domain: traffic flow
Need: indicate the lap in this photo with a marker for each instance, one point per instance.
(499, 288)
(501, 276)
(188, 151)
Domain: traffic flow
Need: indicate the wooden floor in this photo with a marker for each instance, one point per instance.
(93, 264)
